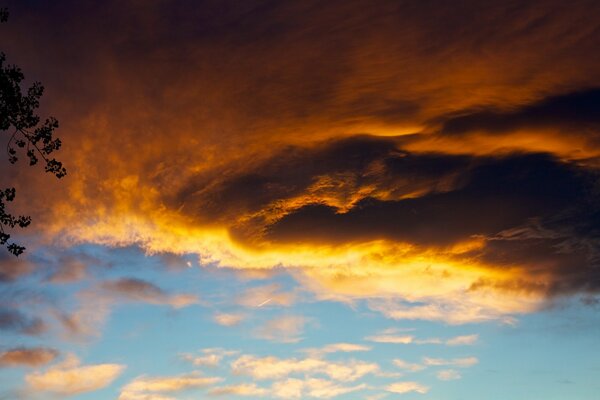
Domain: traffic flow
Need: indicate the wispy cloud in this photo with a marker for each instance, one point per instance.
(285, 329)
(262, 296)
(457, 362)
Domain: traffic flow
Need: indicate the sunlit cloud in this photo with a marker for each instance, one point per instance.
(448, 375)
(412, 367)
(336, 348)
(285, 329)
(456, 362)
(293, 388)
(208, 357)
(165, 386)
(69, 377)
(27, 356)
(277, 368)
(407, 387)
(239, 390)
(262, 296)
(229, 319)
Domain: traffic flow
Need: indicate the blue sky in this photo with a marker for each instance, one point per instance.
(544, 355)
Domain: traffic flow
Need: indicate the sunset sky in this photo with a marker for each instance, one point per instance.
(354, 199)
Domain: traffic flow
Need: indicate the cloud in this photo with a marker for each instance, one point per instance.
(133, 289)
(462, 340)
(27, 356)
(155, 388)
(277, 368)
(407, 387)
(412, 367)
(292, 388)
(229, 319)
(261, 296)
(448, 375)
(15, 321)
(96, 302)
(338, 161)
(69, 378)
(70, 269)
(336, 348)
(12, 268)
(390, 336)
(239, 390)
(285, 329)
(457, 362)
(210, 357)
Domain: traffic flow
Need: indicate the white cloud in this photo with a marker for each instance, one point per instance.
(412, 367)
(276, 368)
(463, 340)
(407, 387)
(457, 362)
(448, 375)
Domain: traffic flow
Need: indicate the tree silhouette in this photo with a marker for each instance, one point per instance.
(27, 135)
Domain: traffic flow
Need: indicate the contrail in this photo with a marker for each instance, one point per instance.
(264, 302)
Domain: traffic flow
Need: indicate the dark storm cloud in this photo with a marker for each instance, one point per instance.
(498, 194)
(243, 116)
(575, 113)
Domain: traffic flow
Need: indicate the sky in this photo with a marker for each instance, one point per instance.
(307, 200)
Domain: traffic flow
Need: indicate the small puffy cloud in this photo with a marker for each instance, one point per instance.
(293, 388)
(209, 357)
(286, 329)
(463, 340)
(448, 375)
(337, 348)
(28, 357)
(456, 362)
(390, 338)
(228, 319)
(156, 388)
(69, 377)
(265, 295)
(407, 387)
(243, 389)
(412, 367)
(277, 368)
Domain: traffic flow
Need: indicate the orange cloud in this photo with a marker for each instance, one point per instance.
(70, 378)
(375, 169)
